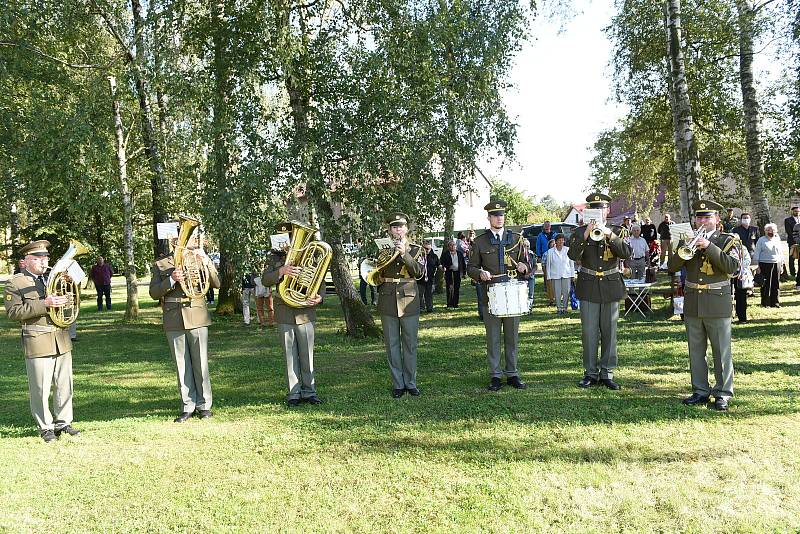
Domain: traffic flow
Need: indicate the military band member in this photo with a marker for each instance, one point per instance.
(295, 328)
(186, 323)
(707, 306)
(599, 289)
(398, 306)
(488, 265)
(48, 349)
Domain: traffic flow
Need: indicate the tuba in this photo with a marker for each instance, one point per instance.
(57, 285)
(313, 257)
(196, 281)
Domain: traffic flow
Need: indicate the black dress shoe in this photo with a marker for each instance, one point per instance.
(720, 404)
(183, 417)
(67, 430)
(696, 398)
(516, 383)
(495, 385)
(48, 436)
(610, 384)
(313, 400)
(291, 403)
(414, 392)
(204, 414)
(587, 382)
(397, 393)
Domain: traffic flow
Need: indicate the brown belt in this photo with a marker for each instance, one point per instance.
(599, 274)
(713, 285)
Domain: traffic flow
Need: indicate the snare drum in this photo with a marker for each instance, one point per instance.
(508, 299)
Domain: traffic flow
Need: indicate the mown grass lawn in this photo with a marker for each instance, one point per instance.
(550, 458)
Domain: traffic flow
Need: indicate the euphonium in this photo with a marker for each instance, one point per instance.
(196, 281)
(371, 268)
(57, 285)
(313, 257)
(688, 250)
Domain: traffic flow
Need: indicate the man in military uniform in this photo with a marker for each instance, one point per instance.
(599, 289)
(488, 265)
(48, 349)
(186, 323)
(398, 306)
(707, 306)
(729, 222)
(295, 328)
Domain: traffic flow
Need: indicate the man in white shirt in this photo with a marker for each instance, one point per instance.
(638, 260)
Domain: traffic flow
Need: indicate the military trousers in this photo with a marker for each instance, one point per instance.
(55, 371)
(298, 348)
(599, 327)
(400, 339)
(509, 327)
(189, 348)
(717, 330)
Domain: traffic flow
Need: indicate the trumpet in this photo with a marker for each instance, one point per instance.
(688, 250)
(598, 233)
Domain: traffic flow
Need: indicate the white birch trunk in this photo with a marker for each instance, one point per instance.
(132, 306)
(686, 142)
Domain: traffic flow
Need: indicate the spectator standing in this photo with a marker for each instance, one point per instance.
(649, 232)
(742, 285)
(640, 250)
(665, 236)
(747, 234)
(460, 241)
(791, 239)
(542, 245)
(729, 222)
(769, 257)
(263, 296)
(455, 267)
(101, 277)
(532, 278)
(248, 289)
(20, 266)
(560, 272)
(428, 277)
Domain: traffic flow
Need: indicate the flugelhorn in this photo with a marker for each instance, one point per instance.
(688, 250)
(312, 257)
(196, 280)
(57, 284)
(598, 233)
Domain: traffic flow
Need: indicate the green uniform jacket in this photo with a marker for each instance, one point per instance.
(285, 314)
(589, 253)
(184, 315)
(397, 299)
(484, 256)
(705, 302)
(25, 303)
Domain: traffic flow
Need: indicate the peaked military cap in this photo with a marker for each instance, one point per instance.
(706, 207)
(284, 227)
(598, 200)
(35, 248)
(496, 207)
(397, 218)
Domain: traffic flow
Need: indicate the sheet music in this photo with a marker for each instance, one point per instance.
(593, 214)
(681, 231)
(167, 230)
(280, 241)
(384, 243)
(76, 273)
